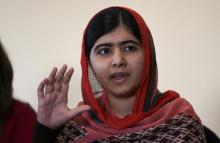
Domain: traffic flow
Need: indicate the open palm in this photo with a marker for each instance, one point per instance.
(53, 97)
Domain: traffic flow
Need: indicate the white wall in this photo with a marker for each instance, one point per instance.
(40, 34)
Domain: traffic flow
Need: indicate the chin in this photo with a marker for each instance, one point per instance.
(123, 93)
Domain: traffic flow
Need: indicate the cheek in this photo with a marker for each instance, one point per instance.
(99, 69)
(138, 65)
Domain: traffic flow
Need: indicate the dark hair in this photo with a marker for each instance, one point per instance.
(6, 78)
(107, 20)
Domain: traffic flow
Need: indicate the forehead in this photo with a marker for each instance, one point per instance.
(120, 33)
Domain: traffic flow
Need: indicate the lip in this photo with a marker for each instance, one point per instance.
(119, 77)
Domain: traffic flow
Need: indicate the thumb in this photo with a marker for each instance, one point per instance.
(79, 109)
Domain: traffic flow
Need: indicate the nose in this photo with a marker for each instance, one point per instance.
(118, 59)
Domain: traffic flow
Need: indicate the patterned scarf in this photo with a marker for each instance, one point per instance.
(157, 117)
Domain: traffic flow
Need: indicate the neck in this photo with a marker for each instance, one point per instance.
(121, 106)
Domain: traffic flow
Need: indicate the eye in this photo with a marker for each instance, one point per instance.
(104, 51)
(130, 48)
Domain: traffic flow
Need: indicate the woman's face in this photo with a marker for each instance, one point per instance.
(117, 61)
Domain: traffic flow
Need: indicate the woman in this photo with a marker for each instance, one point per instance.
(121, 102)
(17, 119)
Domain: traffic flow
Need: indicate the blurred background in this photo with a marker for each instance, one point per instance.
(41, 34)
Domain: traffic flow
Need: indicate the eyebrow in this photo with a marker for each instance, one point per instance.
(129, 41)
(109, 44)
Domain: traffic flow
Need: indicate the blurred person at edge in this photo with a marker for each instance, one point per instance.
(17, 119)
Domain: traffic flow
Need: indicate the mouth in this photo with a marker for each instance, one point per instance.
(119, 77)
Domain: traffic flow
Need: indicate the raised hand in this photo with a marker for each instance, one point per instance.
(52, 99)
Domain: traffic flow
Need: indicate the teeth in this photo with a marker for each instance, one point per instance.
(115, 75)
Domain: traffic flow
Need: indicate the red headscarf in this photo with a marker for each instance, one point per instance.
(147, 92)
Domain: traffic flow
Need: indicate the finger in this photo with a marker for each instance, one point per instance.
(60, 74)
(40, 89)
(52, 74)
(66, 80)
(78, 110)
(51, 78)
(64, 86)
(59, 78)
(68, 75)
